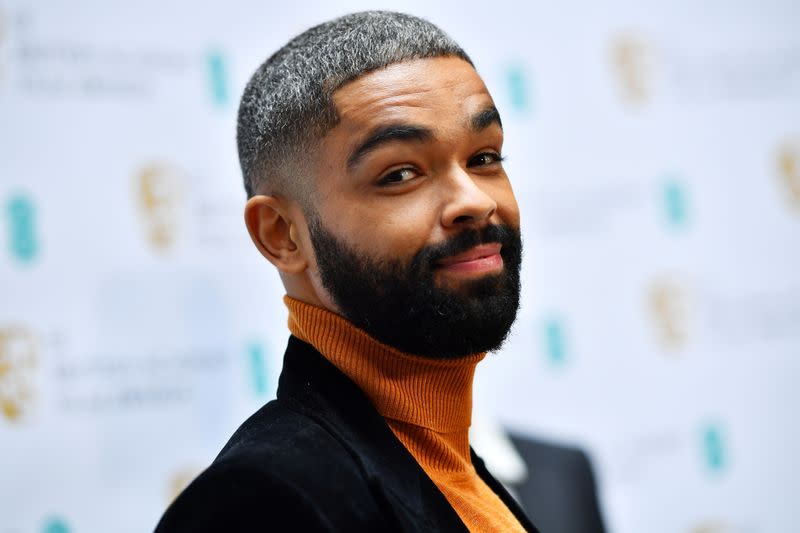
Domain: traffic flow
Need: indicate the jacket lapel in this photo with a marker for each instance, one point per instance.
(310, 384)
(313, 386)
(502, 493)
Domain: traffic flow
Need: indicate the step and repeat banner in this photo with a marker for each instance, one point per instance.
(655, 151)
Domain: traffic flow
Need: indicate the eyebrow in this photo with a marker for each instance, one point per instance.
(387, 134)
(484, 119)
(409, 132)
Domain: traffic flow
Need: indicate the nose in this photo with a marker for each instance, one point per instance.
(467, 203)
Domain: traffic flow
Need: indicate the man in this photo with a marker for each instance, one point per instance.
(371, 153)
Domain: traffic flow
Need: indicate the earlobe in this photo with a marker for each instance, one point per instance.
(273, 232)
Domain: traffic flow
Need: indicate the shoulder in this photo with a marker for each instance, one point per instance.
(544, 454)
(280, 468)
(560, 492)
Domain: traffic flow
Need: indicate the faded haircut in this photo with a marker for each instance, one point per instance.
(287, 106)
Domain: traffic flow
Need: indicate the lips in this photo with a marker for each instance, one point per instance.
(473, 254)
(481, 258)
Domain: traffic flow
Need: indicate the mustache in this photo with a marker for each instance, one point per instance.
(466, 240)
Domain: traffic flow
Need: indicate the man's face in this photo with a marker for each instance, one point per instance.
(416, 228)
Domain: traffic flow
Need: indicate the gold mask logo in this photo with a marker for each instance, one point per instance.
(632, 63)
(668, 305)
(159, 196)
(17, 364)
(179, 480)
(710, 527)
(789, 172)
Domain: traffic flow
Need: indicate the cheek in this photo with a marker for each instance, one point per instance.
(391, 227)
(402, 232)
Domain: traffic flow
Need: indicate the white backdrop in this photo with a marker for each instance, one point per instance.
(655, 152)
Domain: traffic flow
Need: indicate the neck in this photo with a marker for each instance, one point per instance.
(434, 394)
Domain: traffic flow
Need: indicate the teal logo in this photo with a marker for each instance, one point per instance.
(554, 341)
(22, 235)
(55, 525)
(713, 444)
(518, 88)
(258, 368)
(218, 77)
(675, 203)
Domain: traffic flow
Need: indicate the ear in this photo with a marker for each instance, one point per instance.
(273, 231)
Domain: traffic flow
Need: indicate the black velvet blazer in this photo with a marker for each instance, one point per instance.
(318, 458)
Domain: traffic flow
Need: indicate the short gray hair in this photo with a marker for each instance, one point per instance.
(288, 104)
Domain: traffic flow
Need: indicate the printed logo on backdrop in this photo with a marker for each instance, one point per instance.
(258, 369)
(690, 447)
(680, 313)
(23, 241)
(789, 173)
(636, 456)
(690, 69)
(606, 205)
(668, 307)
(759, 316)
(18, 363)
(55, 525)
(176, 206)
(76, 64)
(555, 342)
(159, 192)
(218, 77)
(676, 203)
(179, 480)
(714, 452)
(632, 64)
(519, 88)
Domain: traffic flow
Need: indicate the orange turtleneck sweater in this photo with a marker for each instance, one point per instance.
(427, 403)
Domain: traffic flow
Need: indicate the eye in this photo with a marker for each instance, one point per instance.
(400, 175)
(484, 158)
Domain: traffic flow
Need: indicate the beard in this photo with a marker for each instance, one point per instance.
(399, 303)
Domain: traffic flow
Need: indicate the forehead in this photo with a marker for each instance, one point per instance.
(421, 89)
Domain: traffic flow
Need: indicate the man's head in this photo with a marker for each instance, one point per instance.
(288, 104)
(371, 154)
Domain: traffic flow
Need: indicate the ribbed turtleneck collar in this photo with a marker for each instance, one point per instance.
(427, 403)
(433, 394)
